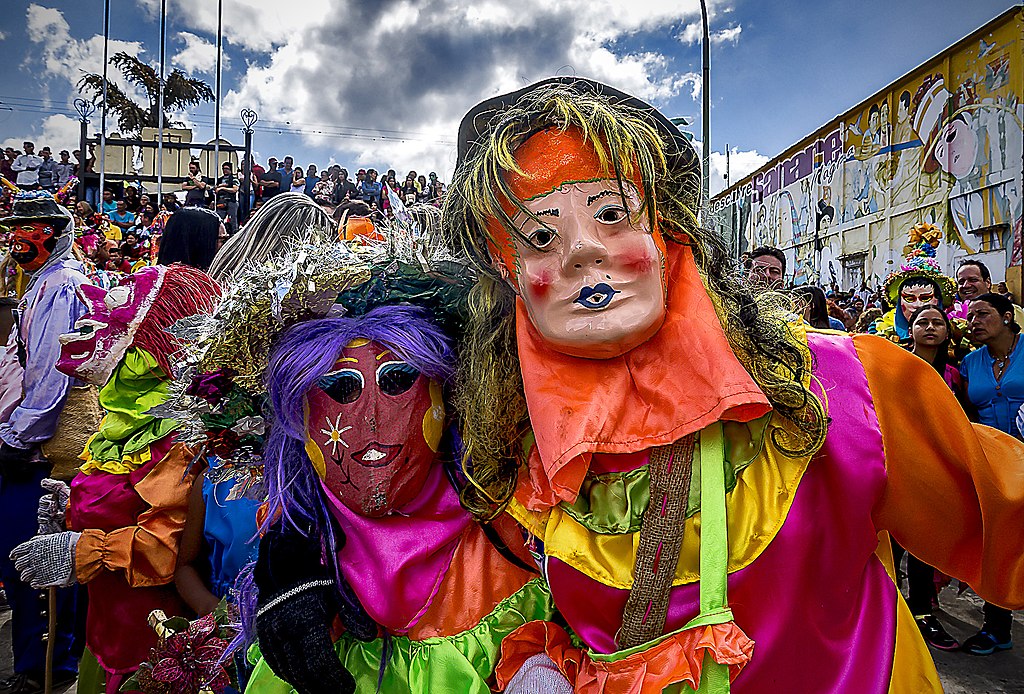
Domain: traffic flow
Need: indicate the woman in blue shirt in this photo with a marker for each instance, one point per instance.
(995, 386)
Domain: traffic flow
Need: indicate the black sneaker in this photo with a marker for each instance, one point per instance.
(20, 684)
(935, 634)
(984, 643)
(23, 684)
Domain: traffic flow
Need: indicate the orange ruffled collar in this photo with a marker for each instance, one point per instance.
(676, 383)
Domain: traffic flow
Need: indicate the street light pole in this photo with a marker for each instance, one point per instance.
(85, 109)
(160, 104)
(103, 113)
(705, 120)
(216, 115)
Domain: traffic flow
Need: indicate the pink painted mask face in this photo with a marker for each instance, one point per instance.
(593, 280)
(106, 332)
(373, 427)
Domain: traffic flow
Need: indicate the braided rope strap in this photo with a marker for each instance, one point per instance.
(661, 540)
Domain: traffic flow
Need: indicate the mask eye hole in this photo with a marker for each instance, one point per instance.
(396, 377)
(344, 385)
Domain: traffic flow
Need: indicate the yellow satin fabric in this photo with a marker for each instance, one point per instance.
(129, 462)
(756, 509)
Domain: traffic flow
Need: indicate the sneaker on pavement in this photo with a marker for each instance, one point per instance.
(984, 643)
(20, 684)
(935, 634)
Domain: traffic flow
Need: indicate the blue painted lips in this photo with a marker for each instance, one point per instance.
(596, 297)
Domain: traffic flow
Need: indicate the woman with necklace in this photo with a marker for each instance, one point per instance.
(995, 385)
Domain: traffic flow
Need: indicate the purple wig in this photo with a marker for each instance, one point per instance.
(303, 354)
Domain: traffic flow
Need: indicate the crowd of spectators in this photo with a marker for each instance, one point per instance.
(120, 229)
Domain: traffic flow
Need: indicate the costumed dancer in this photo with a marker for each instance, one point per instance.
(364, 517)
(919, 282)
(702, 475)
(127, 505)
(43, 234)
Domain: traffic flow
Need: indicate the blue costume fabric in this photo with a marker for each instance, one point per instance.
(230, 530)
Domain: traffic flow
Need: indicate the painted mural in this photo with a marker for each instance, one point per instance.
(943, 145)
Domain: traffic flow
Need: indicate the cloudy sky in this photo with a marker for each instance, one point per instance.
(385, 83)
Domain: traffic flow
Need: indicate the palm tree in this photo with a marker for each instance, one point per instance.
(179, 92)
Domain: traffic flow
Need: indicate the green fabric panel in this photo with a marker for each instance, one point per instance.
(138, 385)
(613, 503)
(714, 551)
(91, 678)
(460, 663)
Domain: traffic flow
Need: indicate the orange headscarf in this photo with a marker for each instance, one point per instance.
(679, 381)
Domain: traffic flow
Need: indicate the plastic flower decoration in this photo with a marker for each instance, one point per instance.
(187, 659)
(925, 233)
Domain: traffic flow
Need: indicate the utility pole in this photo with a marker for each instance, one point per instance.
(216, 114)
(160, 103)
(705, 124)
(103, 113)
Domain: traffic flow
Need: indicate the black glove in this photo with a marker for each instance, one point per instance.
(297, 602)
(17, 464)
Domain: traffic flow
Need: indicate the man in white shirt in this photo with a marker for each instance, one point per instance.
(27, 167)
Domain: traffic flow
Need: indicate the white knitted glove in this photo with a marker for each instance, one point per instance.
(52, 506)
(47, 561)
(539, 675)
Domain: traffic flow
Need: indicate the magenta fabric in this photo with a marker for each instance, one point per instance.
(395, 564)
(116, 629)
(817, 602)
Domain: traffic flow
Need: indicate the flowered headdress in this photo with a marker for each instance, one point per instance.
(218, 393)
(919, 262)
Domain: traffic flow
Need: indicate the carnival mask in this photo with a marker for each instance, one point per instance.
(591, 270)
(913, 298)
(373, 427)
(106, 332)
(33, 242)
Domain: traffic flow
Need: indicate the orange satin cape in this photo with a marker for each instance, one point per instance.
(679, 381)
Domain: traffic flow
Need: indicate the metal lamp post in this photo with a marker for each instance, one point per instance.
(249, 118)
(705, 121)
(84, 109)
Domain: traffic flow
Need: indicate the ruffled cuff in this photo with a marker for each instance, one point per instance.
(648, 669)
(99, 551)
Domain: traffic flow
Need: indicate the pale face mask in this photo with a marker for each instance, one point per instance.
(593, 278)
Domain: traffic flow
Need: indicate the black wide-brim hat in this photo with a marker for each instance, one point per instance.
(679, 151)
(37, 209)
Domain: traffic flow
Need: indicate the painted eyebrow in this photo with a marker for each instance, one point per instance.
(387, 351)
(598, 196)
(349, 359)
(553, 212)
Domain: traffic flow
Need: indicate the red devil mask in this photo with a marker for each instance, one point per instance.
(373, 427)
(33, 244)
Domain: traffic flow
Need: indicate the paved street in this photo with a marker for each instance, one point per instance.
(961, 673)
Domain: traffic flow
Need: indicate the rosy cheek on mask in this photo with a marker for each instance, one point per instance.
(639, 259)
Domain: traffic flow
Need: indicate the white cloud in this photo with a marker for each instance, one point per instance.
(3, 35)
(198, 56)
(56, 131)
(693, 32)
(416, 66)
(740, 164)
(68, 58)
